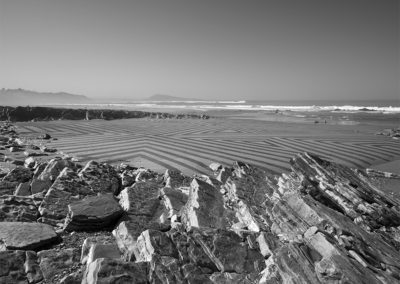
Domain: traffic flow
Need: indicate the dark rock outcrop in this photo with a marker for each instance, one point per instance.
(93, 213)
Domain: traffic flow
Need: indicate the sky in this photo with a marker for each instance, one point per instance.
(207, 49)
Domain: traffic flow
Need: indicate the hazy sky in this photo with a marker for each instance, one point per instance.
(214, 49)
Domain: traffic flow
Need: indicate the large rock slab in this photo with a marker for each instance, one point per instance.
(93, 213)
(338, 225)
(105, 271)
(17, 209)
(19, 267)
(67, 188)
(144, 210)
(102, 178)
(26, 236)
(204, 208)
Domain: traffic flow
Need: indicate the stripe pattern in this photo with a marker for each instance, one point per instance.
(191, 145)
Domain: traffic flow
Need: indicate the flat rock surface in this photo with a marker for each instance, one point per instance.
(93, 212)
(26, 236)
(18, 209)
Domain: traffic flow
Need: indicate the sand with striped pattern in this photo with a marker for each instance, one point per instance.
(191, 145)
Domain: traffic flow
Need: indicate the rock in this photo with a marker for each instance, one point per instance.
(215, 167)
(17, 162)
(52, 261)
(44, 136)
(93, 213)
(228, 252)
(173, 201)
(92, 242)
(46, 149)
(103, 271)
(7, 187)
(67, 188)
(73, 278)
(204, 208)
(152, 242)
(49, 173)
(175, 179)
(143, 175)
(19, 267)
(143, 211)
(102, 178)
(15, 149)
(329, 215)
(30, 154)
(26, 236)
(23, 189)
(165, 269)
(17, 209)
(18, 174)
(29, 162)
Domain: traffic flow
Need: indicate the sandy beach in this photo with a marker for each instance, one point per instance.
(265, 139)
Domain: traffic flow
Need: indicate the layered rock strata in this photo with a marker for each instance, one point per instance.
(321, 223)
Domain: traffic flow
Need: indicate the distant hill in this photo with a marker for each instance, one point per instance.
(21, 97)
(159, 97)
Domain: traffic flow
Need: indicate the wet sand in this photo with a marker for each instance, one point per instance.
(265, 139)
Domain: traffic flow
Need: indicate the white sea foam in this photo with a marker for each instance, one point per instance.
(241, 105)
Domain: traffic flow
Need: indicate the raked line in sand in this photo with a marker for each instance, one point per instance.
(191, 145)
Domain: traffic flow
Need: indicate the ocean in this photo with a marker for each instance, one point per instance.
(392, 106)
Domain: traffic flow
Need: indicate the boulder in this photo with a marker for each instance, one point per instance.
(67, 188)
(152, 242)
(19, 267)
(29, 163)
(104, 271)
(215, 167)
(102, 178)
(26, 236)
(48, 174)
(143, 208)
(52, 262)
(173, 201)
(88, 254)
(93, 213)
(17, 209)
(204, 208)
(18, 174)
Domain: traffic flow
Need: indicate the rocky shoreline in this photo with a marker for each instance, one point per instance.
(49, 113)
(66, 222)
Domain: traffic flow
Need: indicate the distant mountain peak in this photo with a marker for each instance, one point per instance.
(23, 97)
